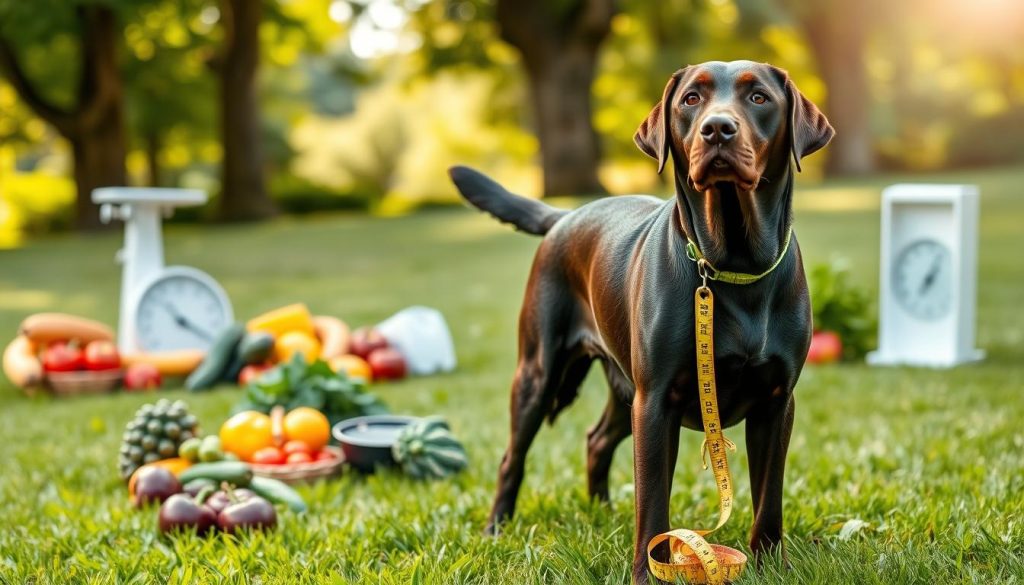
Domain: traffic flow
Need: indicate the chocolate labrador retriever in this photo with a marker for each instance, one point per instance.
(613, 281)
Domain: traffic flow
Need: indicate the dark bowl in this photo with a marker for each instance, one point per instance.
(367, 440)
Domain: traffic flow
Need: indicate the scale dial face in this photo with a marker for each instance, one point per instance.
(181, 311)
(923, 279)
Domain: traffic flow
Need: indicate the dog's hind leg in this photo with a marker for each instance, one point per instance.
(610, 430)
(534, 394)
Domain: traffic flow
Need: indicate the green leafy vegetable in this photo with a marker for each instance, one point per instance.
(295, 383)
(841, 307)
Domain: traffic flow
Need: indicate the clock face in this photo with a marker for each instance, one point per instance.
(180, 311)
(923, 279)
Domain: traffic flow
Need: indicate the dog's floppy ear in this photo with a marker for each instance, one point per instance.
(654, 135)
(809, 130)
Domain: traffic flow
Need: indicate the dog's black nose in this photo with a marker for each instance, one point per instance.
(718, 129)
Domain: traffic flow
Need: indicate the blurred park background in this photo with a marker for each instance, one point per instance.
(296, 106)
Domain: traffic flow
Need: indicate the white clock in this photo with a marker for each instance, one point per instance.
(928, 279)
(162, 307)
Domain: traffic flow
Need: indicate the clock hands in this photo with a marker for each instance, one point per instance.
(184, 323)
(933, 272)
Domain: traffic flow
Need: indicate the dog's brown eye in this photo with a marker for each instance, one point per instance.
(691, 99)
(758, 98)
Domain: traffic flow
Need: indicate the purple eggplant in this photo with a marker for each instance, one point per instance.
(220, 499)
(155, 484)
(180, 512)
(254, 513)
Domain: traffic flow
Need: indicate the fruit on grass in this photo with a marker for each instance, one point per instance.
(245, 433)
(175, 465)
(308, 425)
(826, 347)
(20, 364)
(252, 372)
(352, 366)
(61, 356)
(175, 362)
(155, 433)
(102, 355)
(269, 456)
(296, 446)
(427, 449)
(254, 513)
(295, 342)
(142, 377)
(220, 499)
(181, 512)
(280, 321)
(386, 364)
(365, 340)
(333, 334)
(154, 484)
(210, 450)
(52, 327)
(217, 360)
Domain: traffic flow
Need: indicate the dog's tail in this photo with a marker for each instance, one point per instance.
(527, 215)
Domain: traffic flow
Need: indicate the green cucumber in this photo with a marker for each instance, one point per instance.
(278, 492)
(233, 472)
(217, 360)
(256, 347)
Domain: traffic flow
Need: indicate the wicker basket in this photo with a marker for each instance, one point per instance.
(83, 382)
(303, 472)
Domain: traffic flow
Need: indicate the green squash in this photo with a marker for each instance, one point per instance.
(427, 450)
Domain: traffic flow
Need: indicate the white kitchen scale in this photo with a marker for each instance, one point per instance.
(928, 280)
(162, 307)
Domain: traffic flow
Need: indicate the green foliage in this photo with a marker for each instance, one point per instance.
(841, 307)
(294, 384)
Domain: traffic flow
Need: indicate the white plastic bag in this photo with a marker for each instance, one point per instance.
(421, 335)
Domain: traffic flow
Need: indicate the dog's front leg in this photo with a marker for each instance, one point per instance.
(655, 431)
(768, 432)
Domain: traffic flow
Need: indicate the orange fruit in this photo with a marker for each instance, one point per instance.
(308, 425)
(246, 433)
(295, 342)
(352, 366)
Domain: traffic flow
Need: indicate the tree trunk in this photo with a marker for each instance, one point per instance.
(838, 39)
(95, 123)
(243, 193)
(559, 45)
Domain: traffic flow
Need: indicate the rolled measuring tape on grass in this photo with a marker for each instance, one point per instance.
(691, 558)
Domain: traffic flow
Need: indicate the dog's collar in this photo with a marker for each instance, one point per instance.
(694, 253)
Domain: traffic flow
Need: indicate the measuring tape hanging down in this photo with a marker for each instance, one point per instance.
(692, 558)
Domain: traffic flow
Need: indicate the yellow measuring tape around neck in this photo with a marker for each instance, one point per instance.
(692, 558)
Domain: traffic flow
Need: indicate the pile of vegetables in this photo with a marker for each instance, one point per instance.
(296, 437)
(297, 383)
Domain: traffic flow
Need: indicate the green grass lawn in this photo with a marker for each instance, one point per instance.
(931, 460)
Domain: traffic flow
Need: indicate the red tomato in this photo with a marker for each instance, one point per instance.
(268, 456)
(365, 340)
(296, 446)
(324, 455)
(142, 377)
(299, 458)
(102, 355)
(251, 372)
(387, 364)
(62, 357)
(826, 347)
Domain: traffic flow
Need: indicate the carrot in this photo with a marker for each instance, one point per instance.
(175, 362)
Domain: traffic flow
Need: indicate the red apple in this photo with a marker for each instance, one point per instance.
(102, 355)
(365, 340)
(826, 348)
(142, 377)
(63, 357)
(386, 364)
(251, 372)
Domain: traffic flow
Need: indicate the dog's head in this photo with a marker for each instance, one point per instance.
(726, 122)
